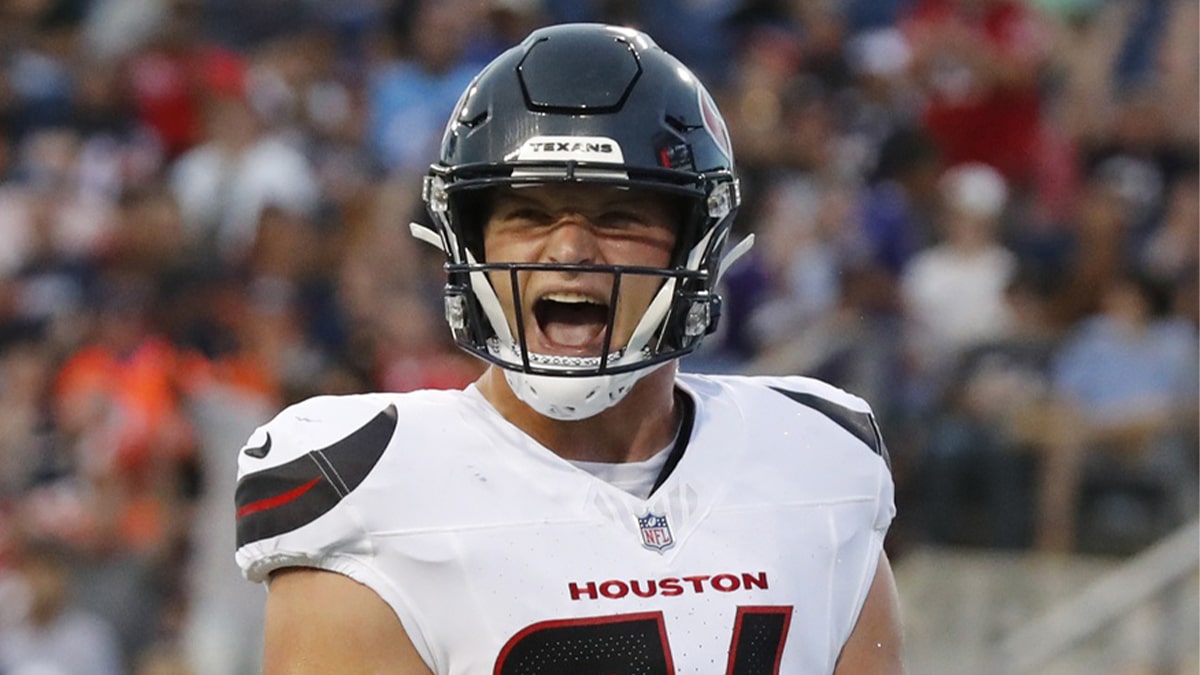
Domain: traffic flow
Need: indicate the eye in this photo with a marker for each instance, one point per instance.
(525, 214)
(620, 219)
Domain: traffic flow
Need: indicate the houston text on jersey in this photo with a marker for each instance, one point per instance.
(615, 589)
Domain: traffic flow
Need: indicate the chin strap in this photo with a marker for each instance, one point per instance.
(739, 250)
(428, 235)
(484, 292)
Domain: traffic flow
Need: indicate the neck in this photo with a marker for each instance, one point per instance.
(630, 431)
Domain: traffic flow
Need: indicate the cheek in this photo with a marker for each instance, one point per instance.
(640, 251)
(502, 283)
(501, 247)
(637, 291)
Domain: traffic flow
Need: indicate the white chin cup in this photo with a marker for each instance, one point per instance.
(573, 398)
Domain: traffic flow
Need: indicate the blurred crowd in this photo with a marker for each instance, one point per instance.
(980, 215)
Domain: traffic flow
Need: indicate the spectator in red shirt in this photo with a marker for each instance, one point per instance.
(979, 62)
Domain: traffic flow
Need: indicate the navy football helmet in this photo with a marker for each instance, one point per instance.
(584, 103)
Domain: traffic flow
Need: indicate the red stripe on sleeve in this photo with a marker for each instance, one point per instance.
(277, 500)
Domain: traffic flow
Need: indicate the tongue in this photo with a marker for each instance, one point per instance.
(572, 325)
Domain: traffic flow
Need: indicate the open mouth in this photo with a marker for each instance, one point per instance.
(571, 322)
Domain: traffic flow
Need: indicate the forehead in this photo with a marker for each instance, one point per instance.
(583, 195)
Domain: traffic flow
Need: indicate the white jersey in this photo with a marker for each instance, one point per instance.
(753, 557)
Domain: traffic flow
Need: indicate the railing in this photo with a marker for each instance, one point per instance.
(1156, 574)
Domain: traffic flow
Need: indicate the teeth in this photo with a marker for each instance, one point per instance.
(570, 298)
(556, 361)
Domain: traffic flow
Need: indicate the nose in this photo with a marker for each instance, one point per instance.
(572, 241)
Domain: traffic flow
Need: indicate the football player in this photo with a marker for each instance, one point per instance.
(583, 508)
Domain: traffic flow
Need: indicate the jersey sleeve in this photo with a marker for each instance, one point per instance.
(296, 474)
(872, 471)
(854, 472)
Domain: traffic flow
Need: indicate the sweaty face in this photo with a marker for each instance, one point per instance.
(566, 313)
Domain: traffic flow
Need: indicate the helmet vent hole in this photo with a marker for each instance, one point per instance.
(475, 121)
(678, 124)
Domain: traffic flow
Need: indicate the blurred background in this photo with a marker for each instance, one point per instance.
(980, 215)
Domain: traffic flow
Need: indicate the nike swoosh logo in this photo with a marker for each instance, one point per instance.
(260, 451)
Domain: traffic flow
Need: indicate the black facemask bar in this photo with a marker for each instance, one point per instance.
(715, 193)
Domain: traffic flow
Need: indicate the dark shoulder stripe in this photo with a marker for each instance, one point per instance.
(282, 499)
(861, 425)
(353, 457)
(291, 495)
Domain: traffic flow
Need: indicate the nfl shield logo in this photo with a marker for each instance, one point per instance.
(656, 532)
